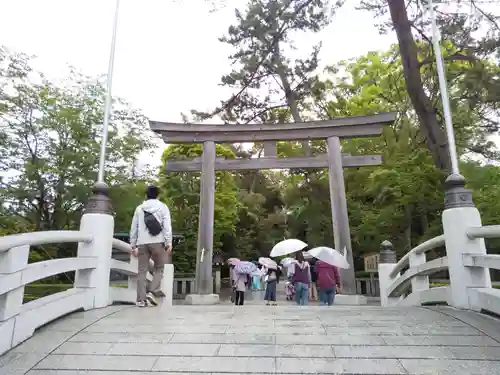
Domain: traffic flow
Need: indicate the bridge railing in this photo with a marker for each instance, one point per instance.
(91, 288)
(406, 282)
(18, 321)
(483, 297)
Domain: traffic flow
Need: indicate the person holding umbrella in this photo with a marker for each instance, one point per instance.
(272, 279)
(240, 286)
(313, 290)
(328, 281)
(241, 277)
(232, 276)
(301, 272)
(329, 260)
(301, 279)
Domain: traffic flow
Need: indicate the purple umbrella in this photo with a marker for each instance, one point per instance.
(246, 268)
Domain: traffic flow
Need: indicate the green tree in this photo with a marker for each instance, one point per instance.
(51, 141)
(459, 27)
(401, 199)
(264, 78)
(126, 197)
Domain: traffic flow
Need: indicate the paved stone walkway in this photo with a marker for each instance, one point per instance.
(260, 339)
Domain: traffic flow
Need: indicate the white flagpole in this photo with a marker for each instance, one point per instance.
(108, 103)
(444, 91)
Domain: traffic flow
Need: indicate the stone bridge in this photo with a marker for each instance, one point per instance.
(257, 339)
(92, 329)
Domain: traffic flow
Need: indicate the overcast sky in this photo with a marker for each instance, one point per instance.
(168, 58)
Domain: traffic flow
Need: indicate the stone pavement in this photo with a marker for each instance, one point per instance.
(258, 339)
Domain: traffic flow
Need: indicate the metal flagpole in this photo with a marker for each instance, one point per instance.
(108, 103)
(444, 91)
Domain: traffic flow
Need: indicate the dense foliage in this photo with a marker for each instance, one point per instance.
(49, 149)
(49, 138)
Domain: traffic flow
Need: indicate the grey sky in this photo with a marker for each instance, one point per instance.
(168, 58)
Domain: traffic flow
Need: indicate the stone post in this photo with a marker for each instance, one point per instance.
(132, 279)
(418, 283)
(340, 218)
(386, 265)
(217, 280)
(167, 285)
(97, 221)
(12, 263)
(459, 215)
(204, 288)
(270, 149)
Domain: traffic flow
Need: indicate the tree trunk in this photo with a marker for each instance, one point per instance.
(435, 136)
(289, 94)
(408, 229)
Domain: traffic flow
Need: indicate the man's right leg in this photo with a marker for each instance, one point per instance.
(143, 260)
(158, 254)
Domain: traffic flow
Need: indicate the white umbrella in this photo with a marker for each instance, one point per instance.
(287, 262)
(286, 247)
(330, 256)
(268, 262)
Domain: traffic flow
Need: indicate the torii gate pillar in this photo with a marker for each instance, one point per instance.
(340, 217)
(206, 220)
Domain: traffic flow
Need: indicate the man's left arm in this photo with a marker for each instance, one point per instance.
(167, 227)
(134, 231)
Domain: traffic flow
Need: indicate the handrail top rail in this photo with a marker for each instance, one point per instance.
(424, 247)
(126, 248)
(43, 237)
(485, 231)
(428, 268)
(40, 270)
(121, 245)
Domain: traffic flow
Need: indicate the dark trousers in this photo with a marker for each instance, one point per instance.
(240, 298)
(271, 291)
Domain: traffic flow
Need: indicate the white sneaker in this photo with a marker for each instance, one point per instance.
(141, 304)
(151, 299)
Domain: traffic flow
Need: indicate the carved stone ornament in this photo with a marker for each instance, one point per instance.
(218, 259)
(99, 202)
(456, 194)
(387, 254)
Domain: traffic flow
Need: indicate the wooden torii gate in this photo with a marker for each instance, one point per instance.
(330, 130)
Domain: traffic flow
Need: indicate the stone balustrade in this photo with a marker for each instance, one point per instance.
(91, 288)
(406, 282)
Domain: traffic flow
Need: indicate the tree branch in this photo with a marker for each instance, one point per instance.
(454, 57)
